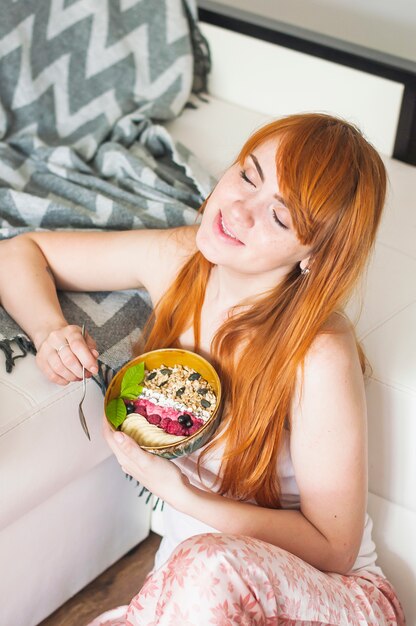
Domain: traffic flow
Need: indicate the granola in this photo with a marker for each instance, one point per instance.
(175, 402)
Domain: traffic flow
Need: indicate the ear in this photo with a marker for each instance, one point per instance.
(305, 262)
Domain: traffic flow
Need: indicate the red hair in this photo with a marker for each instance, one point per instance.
(333, 183)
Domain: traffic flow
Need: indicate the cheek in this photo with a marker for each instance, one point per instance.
(278, 248)
(207, 218)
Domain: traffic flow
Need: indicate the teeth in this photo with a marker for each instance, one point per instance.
(227, 232)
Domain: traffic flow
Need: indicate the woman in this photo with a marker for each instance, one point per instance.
(267, 523)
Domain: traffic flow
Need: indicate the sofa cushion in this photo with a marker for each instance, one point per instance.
(38, 419)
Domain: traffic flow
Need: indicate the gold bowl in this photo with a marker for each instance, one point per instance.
(170, 357)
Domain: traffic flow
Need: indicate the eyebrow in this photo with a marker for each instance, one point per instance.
(261, 174)
(258, 166)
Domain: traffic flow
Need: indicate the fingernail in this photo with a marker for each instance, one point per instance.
(119, 437)
(94, 369)
(95, 353)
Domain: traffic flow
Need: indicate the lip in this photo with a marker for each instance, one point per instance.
(222, 235)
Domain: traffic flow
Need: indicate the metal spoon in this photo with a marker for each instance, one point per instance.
(84, 389)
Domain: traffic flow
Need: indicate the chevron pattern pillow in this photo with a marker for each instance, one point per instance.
(70, 69)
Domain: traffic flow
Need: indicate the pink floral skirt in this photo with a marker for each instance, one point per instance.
(225, 580)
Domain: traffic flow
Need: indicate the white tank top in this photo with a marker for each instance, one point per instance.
(179, 526)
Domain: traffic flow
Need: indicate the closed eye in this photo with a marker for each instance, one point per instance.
(246, 178)
(276, 219)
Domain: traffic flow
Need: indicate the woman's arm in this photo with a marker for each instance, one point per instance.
(328, 449)
(328, 446)
(34, 265)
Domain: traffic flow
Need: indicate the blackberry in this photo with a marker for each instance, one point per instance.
(130, 408)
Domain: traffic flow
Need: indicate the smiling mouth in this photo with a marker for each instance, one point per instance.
(225, 229)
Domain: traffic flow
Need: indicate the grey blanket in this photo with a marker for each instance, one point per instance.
(84, 87)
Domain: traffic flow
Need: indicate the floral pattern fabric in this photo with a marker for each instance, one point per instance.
(226, 580)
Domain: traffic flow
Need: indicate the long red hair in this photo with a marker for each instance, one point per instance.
(333, 183)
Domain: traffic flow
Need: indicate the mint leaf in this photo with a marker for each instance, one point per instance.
(131, 392)
(132, 378)
(116, 412)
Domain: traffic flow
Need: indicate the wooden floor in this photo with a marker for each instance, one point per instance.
(114, 587)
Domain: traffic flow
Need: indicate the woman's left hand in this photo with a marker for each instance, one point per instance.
(158, 475)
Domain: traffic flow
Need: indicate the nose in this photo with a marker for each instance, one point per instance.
(242, 214)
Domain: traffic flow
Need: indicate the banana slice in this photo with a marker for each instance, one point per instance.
(137, 427)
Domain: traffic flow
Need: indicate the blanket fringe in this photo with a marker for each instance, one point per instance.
(25, 346)
(104, 376)
(145, 492)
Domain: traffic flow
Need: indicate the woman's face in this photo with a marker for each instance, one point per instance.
(245, 225)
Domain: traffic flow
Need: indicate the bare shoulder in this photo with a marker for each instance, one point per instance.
(335, 345)
(172, 249)
(180, 239)
(332, 371)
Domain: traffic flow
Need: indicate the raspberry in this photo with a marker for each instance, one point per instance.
(153, 419)
(174, 428)
(141, 410)
(164, 423)
(195, 427)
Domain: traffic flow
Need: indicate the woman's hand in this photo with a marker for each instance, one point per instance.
(62, 354)
(158, 475)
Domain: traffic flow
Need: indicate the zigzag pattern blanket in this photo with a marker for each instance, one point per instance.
(83, 85)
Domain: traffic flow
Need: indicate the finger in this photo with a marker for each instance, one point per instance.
(79, 355)
(58, 345)
(119, 442)
(63, 360)
(92, 345)
(83, 352)
(129, 453)
(90, 341)
(108, 434)
(106, 425)
(65, 364)
(115, 437)
(52, 375)
(122, 455)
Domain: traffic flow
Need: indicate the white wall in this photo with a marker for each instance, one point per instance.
(275, 81)
(386, 25)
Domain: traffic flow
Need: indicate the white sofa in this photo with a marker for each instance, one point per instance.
(64, 499)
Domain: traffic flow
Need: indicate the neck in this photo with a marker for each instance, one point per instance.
(229, 288)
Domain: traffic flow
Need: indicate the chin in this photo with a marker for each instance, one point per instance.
(208, 250)
(214, 252)
(205, 247)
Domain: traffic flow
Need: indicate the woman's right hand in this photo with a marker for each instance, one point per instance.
(63, 353)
